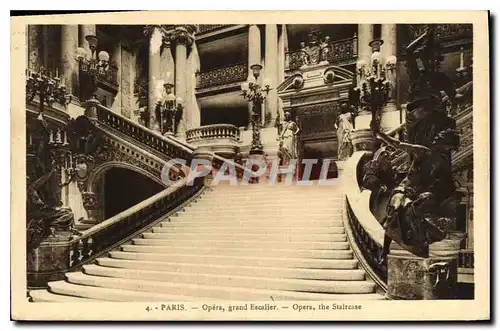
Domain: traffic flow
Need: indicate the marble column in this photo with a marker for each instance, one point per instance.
(69, 44)
(391, 117)
(282, 49)
(86, 30)
(35, 47)
(254, 56)
(183, 38)
(193, 119)
(155, 42)
(271, 74)
(116, 59)
(365, 35)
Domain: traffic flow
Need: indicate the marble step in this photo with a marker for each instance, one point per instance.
(211, 291)
(76, 291)
(320, 286)
(208, 250)
(260, 223)
(239, 260)
(46, 296)
(269, 230)
(152, 239)
(249, 236)
(249, 216)
(266, 210)
(229, 269)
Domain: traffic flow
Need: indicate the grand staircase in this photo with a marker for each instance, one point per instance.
(254, 242)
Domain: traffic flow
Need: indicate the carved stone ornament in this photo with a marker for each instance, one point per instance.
(90, 200)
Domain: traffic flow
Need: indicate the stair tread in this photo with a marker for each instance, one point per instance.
(241, 257)
(140, 264)
(158, 236)
(44, 295)
(155, 285)
(287, 280)
(83, 290)
(239, 281)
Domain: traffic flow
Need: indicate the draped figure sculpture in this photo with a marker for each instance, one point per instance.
(344, 127)
(288, 140)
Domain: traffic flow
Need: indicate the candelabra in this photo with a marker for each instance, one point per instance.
(373, 84)
(48, 88)
(169, 112)
(94, 67)
(256, 94)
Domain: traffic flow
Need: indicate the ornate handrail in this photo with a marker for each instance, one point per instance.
(214, 131)
(341, 52)
(120, 228)
(364, 232)
(233, 73)
(111, 120)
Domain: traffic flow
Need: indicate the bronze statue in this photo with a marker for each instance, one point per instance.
(422, 204)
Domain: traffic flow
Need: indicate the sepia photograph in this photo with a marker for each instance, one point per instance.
(282, 170)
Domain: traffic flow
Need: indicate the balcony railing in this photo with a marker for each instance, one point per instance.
(215, 131)
(205, 28)
(222, 76)
(443, 31)
(340, 52)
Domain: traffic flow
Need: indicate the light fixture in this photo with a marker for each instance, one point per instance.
(48, 87)
(371, 88)
(256, 68)
(255, 94)
(95, 67)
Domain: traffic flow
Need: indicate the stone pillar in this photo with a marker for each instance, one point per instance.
(390, 117)
(35, 47)
(271, 74)
(253, 55)
(193, 66)
(116, 58)
(282, 49)
(183, 37)
(69, 68)
(365, 35)
(86, 30)
(155, 42)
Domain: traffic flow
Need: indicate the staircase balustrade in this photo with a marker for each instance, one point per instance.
(214, 131)
(130, 129)
(116, 230)
(466, 259)
(364, 231)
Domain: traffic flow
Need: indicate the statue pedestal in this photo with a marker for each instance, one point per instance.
(414, 278)
(50, 260)
(363, 140)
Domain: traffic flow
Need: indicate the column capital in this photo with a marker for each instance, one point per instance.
(150, 29)
(181, 34)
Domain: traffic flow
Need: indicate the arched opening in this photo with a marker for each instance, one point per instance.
(124, 188)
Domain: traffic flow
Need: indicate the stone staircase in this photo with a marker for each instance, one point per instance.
(253, 242)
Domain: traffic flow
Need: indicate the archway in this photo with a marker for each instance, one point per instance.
(124, 188)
